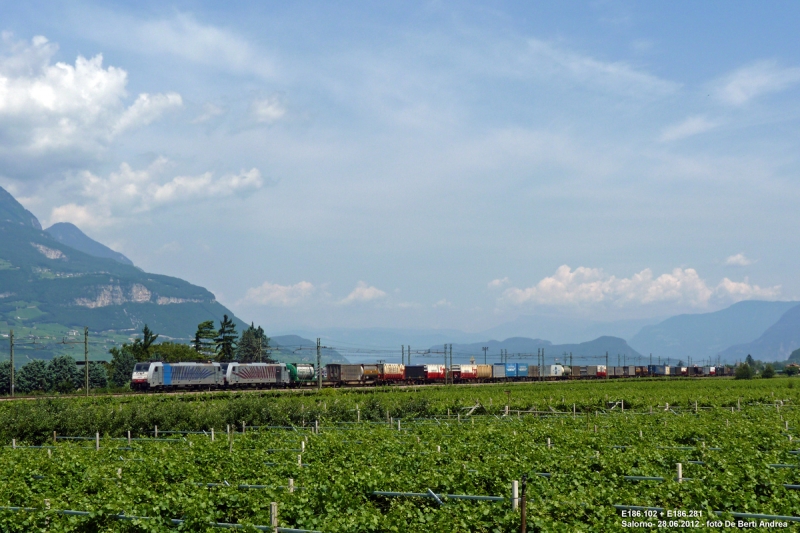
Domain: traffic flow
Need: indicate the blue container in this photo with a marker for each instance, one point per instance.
(511, 370)
(522, 370)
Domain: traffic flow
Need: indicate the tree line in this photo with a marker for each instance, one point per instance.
(62, 373)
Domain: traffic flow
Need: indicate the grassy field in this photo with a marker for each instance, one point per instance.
(734, 440)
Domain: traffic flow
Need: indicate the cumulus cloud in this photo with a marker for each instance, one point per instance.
(687, 128)
(273, 294)
(49, 107)
(129, 191)
(738, 260)
(444, 302)
(268, 110)
(364, 293)
(752, 81)
(497, 283)
(591, 286)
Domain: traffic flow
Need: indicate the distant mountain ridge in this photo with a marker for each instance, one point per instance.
(705, 335)
(43, 281)
(775, 344)
(584, 353)
(69, 234)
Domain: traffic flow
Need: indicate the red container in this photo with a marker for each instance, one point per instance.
(434, 371)
(392, 372)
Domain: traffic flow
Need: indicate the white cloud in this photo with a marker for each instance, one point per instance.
(47, 107)
(611, 76)
(272, 294)
(738, 260)
(591, 286)
(754, 80)
(443, 303)
(209, 111)
(129, 191)
(364, 293)
(185, 37)
(268, 110)
(497, 283)
(687, 128)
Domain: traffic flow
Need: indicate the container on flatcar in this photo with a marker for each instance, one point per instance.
(301, 372)
(391, 371)
(658, 370)
(618, 371)
(435, 372)
(553, 371)
(641, 371)
(522, 369)
(511, 370)
(709, 371)
(338, 373)
(252, 374)
(533, 371)
(484, 371)
(499, 370)
(415, 372)
(580, 371)
(465, 371)
(371, 372)
(596, 371)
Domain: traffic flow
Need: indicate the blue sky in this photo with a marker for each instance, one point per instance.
(424, 165)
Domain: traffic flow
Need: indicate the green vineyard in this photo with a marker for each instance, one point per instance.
(596, 457)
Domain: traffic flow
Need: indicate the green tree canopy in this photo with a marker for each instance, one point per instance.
(750, 361)
(204, 338)
(173, 352)
(122, 362)
(98, 375)
(33, 377)
(5, 377)
(226, 339)
(148, 338)
(768, 372)
(253, 345)
(744, 371)
(64, 374)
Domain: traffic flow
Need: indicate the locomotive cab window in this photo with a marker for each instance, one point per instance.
(141, 367)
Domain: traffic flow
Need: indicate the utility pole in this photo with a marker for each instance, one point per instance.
(409, 354)
(651, 359)
(445, 365)
(403, 353)
(11, 338)
(259, 348)
(541, 368)
(570, 360)
(484, 354)
(319, 366)
(86, 359)
(451, 363)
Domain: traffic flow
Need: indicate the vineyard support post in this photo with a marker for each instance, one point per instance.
(13, 444)
(243, 427)
(54, 437)
(514, 495)
(273, 516)
(549, 445)
(291, 485)
(679, 466)
(156, 431)
(97, 441)
(228, 429)
(573, 411)
(129, 438)
(212, 434)
(523, 526)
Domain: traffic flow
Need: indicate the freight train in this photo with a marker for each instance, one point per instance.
(157, 375)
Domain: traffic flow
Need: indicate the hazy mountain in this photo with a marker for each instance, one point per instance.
(522, 348)
(566, 329)
(391, 338)
(292, 348)
(69, 234)
(53, 287)
(775, 344)
(12, 211)
(704, 335)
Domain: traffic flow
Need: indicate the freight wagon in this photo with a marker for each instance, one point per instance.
(254, 374)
